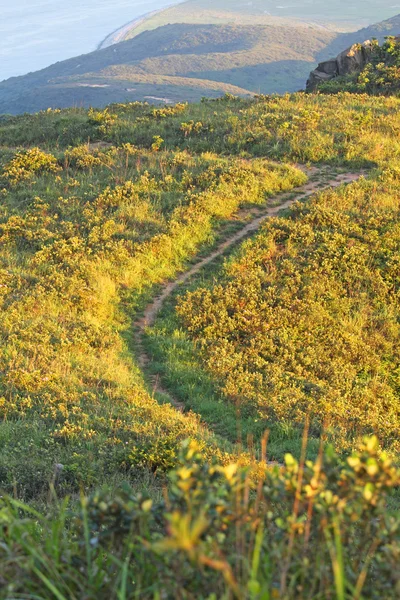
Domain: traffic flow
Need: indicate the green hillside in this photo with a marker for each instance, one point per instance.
(185, 61)
(165, 64)
(337, 15)
(233, 434)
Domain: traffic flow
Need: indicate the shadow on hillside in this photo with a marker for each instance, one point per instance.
(271, 78)
(179, 38)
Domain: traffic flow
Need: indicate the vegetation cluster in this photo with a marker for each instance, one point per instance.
(305, 320)
(381, 76)
(84, 235)
(97, 209)
(316, 529)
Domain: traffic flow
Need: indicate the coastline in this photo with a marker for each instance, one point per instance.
(118, 35)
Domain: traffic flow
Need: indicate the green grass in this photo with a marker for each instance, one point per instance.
(88, 232)
(213, 536)
(177, 361)
(85, 238)
(291, 328)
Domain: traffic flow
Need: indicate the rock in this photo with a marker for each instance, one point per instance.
(317, 77)
(329, 67)
(353, 60)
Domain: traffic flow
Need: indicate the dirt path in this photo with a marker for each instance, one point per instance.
(280, 202)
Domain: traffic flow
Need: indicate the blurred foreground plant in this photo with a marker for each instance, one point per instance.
(306, 530)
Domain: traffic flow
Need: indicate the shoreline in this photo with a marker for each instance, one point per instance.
(118, 35)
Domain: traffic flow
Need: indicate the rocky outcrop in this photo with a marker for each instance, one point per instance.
(353, 60)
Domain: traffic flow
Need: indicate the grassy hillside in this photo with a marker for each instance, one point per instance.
(337, 15)
(294, 327)
(307, 129)
(166, 63)
(85, 233)
(185, 61)
(299, 333)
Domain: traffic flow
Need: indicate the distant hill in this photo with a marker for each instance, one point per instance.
(184, 62)
(337, 15)
(378, 31)
(174, 62)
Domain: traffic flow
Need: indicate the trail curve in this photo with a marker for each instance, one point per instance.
(281, 202)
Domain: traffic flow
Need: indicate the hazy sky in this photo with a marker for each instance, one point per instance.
(37, 33)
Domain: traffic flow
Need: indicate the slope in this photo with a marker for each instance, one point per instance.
(305, 316)
(85, 234)
(185, 62)
(222, 59)
(389, 27)
(337, 15)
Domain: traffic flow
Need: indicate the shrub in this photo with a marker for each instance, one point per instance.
(305, 320)
(28, 163)
(308, 530)
(103, 119)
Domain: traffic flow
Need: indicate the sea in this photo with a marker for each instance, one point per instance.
(37, 33)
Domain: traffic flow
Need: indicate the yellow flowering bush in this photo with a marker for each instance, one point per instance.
(295, 327)
(26, 164)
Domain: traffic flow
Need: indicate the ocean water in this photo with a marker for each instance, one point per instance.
(37, 33)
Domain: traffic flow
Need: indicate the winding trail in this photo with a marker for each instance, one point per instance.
(322, 181)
